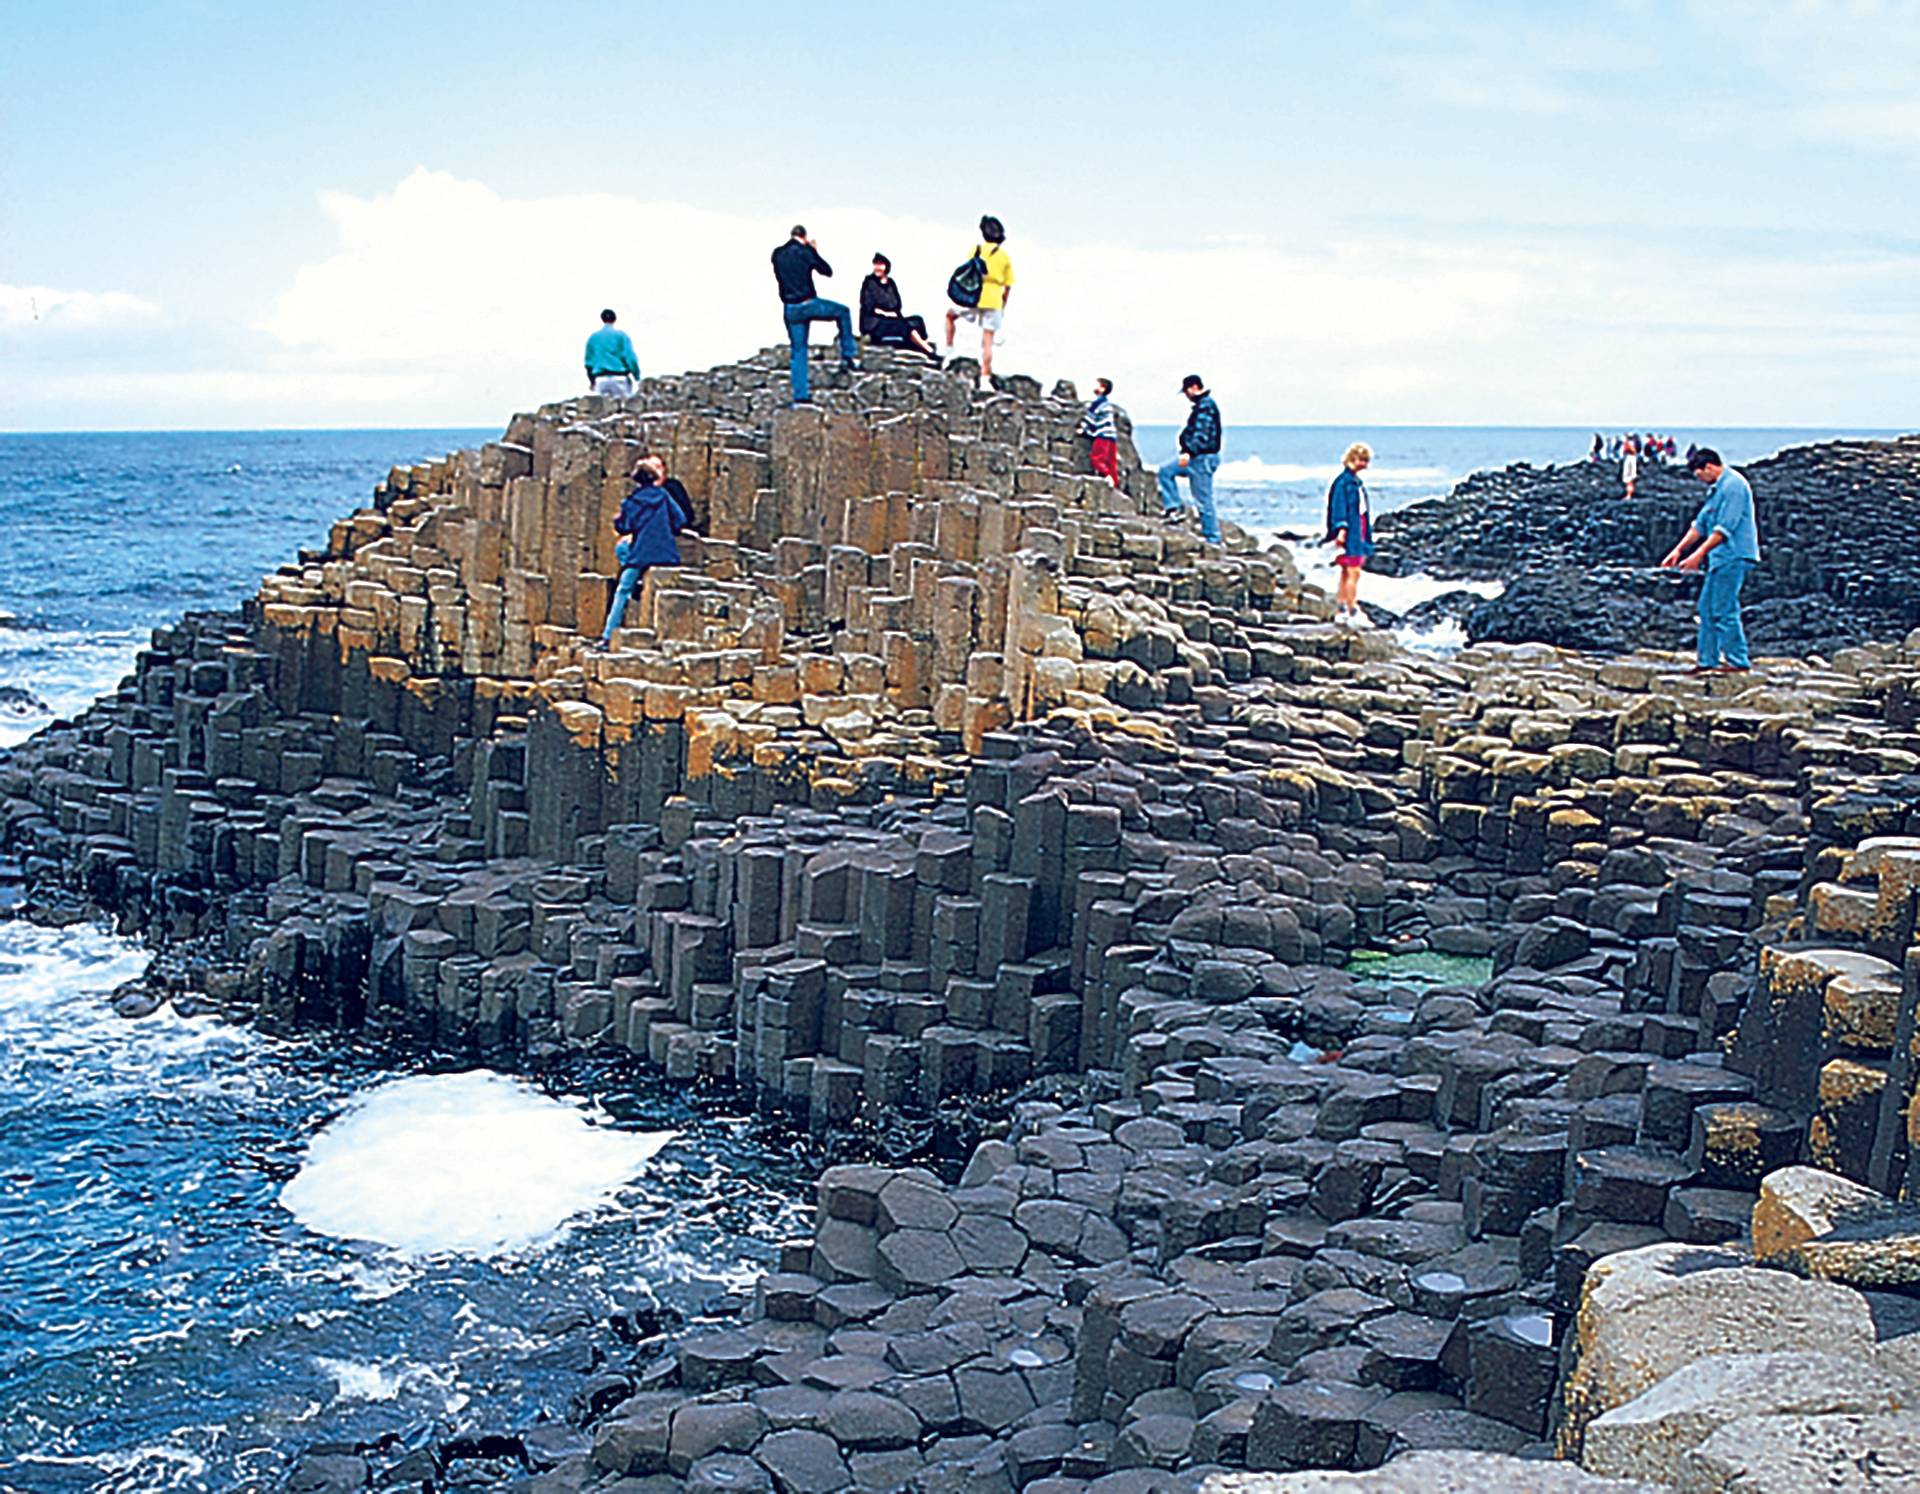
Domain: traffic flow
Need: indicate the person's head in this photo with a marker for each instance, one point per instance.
(1193, 386)
(607, 317)
(650, 471)
(882, 266)
(1103, 387)
(993, 230)
(1357, 457)
(1705, 464)
(799, 231)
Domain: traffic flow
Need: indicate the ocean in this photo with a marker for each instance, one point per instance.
(218, 1251)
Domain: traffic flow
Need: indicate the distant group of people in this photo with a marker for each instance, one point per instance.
(1647, 445)
(1630, 450)
(1723, 539)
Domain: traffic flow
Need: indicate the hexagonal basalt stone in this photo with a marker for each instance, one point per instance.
(917, 1260)
(1312, 1424)
(992, 1398)
(803, 1462)
(907, 1204)
(844, 1251)
(702, 1429)
(863, 1421)
(728, 1473)
(1156, 1326)
(715, 1359)
(988, 1243)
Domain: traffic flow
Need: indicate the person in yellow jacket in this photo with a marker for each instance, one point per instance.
(994, 292)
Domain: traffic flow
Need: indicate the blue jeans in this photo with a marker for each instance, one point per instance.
(1199, 475)
(623, 592)
(800, 316)
(1723, 640)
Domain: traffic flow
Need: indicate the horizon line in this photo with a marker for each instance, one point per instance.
(1602, 427)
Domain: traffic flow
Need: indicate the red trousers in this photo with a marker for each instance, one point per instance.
(1106, 459)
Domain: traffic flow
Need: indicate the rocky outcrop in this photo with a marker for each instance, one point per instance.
(1839, 533)
(1055, 864)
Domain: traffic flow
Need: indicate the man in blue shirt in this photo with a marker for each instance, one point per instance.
(1726, 537)
(612, 369)
(1199, 460)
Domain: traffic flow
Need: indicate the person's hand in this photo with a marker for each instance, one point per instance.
(1692, 562)
(1670, 559)
(1184, 458)
(1338, 537)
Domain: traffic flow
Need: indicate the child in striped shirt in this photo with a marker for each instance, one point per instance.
(1099, 424)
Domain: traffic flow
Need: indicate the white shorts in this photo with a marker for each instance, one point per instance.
(986, 321)
(613, 386)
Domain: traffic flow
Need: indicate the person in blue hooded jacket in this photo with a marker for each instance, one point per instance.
(648, 520)
(1350, 526)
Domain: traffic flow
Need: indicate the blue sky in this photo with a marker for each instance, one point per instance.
(218, 215)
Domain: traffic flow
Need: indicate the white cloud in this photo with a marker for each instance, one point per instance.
(448, 276)
(445, 302)
(484, 300)
(42, 307)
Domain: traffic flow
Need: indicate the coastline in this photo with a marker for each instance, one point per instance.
(1030, 798)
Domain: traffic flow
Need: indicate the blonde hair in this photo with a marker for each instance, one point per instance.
(1359, 451)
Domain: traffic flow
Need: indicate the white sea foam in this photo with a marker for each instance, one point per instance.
(1395, 593)
(357, 1381)
(1252, 472)
(68, 671)
(471, 1163)
(1446, 637)
(160, 1466)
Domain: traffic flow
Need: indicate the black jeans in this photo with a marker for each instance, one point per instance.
(896, 331)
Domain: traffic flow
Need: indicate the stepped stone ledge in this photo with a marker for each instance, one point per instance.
(946, 791)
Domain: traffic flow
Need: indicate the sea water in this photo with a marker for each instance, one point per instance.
(221, 1247)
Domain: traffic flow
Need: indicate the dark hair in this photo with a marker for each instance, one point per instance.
(1704, 456)
(1103, 386)
(881, 259)
(650, 469)
(606, 316)
(799, 230)
(993, 230)
(1193, 381)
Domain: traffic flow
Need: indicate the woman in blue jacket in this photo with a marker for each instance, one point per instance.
(649, 519)
(1350, 526)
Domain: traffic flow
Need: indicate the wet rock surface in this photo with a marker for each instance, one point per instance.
(1839, 535)
(1245, 1038)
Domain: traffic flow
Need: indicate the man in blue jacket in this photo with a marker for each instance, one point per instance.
(795, 263)
(1199, 460)
(648, 519)
(1726, 536)
(612, 369)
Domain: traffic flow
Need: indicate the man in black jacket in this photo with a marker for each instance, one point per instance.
(1199, 459)
(794, 265)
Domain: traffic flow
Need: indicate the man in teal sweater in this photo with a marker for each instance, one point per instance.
(612, 369)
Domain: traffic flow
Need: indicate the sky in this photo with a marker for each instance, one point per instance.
(221, 216)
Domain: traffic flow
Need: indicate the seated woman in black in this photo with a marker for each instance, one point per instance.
(880, 318)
